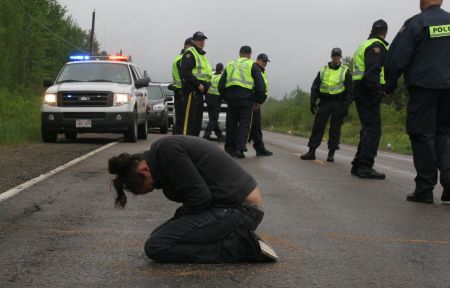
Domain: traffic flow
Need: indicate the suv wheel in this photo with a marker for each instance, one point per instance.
(48, 136)
(71, 135)
(163, 129)
(131, 134)
(142, 129)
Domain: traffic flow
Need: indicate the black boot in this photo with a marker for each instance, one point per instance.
(264, 152)
(310, 155)
(330, 157)
(369, 173)
(421, 198)
(445, 195)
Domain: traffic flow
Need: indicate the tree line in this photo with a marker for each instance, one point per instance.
(36, 38)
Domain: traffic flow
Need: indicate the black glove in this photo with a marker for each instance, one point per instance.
(314, 109)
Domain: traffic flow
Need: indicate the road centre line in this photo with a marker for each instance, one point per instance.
(19, 188)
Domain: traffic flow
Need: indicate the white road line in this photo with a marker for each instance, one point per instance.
(16, 190)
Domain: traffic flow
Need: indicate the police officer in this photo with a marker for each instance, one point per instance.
(256, 130)
(213, 101)
(368, 77)
(242, 85)
(333, 86)
(196, 74)
(179, 102)
(420, 51)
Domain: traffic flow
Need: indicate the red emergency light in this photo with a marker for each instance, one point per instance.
(118, 58)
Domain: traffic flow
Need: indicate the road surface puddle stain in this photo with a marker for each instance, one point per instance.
(386, 239)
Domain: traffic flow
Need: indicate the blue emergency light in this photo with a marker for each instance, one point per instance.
(79, 57)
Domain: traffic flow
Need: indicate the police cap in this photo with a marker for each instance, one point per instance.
(263, 57)
(379, 26)
(199, 36)
(245, 50)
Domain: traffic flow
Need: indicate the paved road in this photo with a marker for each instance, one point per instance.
(330, 229)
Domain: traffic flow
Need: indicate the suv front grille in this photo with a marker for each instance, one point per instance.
(85, 99)
(84, 115)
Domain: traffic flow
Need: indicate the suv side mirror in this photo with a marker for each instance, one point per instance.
(143, 82)
(47, 83)
(171, 87)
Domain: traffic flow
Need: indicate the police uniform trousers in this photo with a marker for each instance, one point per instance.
(328, 107)
(239, 114)
(368, 107)
(213, 103)
(216, 235)
(180, 109)
(428, 127)
(193, 113)
(256, 131)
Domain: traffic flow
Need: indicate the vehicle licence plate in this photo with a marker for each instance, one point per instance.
(83, 123)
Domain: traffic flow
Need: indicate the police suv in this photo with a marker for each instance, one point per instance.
(96, 94)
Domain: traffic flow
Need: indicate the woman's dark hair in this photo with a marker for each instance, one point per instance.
(127, 178)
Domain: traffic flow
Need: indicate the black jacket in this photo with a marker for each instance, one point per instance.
(425, 61)
(346, 95)
(238, 93)
(197, 173)
(374, 56)
(190, 83)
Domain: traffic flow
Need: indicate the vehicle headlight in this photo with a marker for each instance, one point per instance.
(159, 107)
(50, 99)
(120, 99)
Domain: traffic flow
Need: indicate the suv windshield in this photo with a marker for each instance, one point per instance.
(154, 93)
(95, 72)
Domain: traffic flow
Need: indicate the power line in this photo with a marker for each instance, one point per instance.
(49, 30)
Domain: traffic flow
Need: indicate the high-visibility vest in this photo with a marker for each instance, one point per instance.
(239, 73)
(213, 89)
(266, 81)
(176, 72)
(202, 70)
(332, 81)
(359, 65)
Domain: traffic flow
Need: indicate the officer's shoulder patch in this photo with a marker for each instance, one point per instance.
(376, 49)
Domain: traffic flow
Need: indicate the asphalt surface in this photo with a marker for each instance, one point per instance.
(329, 228)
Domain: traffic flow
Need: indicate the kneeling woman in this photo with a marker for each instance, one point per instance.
(221, 202)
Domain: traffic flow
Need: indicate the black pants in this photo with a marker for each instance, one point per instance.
(333, 108)
(368, 107)
(213, 103)
(239, 117)
(180, 109)
(193, 114)
(217, 235)
(256, 131)
(428, 127)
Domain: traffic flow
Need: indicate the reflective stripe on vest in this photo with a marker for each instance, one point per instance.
(202, 70)
(176, 72)
(239, 73)
(213, 89)
(359, 65)
(332, 81)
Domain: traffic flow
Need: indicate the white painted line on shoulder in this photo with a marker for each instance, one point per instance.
(16, 190)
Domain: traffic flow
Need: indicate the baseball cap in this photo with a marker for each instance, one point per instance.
(263, 57)
(245, 49)
(336, 51)
(379, 26)
(199, 36)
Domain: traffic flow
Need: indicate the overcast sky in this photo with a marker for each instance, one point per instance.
(297, 35)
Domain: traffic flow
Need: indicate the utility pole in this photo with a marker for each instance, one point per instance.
(92, 34)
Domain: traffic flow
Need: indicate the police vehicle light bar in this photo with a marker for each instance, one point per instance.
(110, 57)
